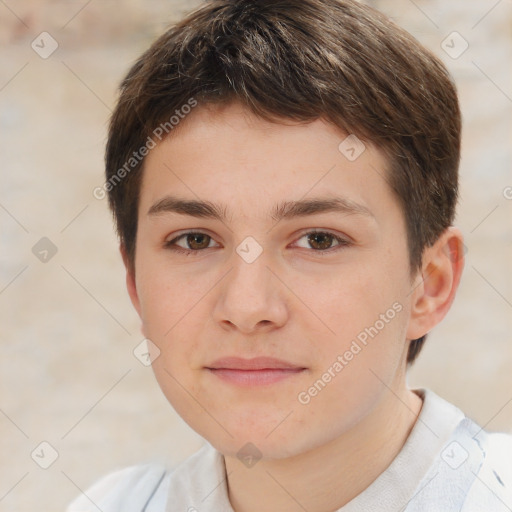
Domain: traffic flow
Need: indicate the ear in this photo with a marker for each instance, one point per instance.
(435, 287)
(130, 279)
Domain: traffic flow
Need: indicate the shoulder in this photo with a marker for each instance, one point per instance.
(492, 486)
(500, 445)
(124, 490)
(147, 487)
(472, 468)
(478, 464)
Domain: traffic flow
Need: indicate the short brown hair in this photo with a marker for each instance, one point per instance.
(301, 60)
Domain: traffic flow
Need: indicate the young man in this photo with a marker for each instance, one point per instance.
(283, 175)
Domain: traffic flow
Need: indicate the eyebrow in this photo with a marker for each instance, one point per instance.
(284, 210)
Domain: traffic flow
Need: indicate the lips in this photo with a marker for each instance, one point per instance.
(256, 371)
(257, 363)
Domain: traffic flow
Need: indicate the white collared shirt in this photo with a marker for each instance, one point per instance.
(447, 464)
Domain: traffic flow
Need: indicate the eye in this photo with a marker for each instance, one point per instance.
(323, 241)
(193, 241)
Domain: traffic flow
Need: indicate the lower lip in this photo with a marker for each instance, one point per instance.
(254, 377)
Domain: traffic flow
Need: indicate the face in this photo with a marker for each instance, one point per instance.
(279, 299)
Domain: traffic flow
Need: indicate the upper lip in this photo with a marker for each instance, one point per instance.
(256, 363)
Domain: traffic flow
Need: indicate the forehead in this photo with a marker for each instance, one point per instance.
(247, 164)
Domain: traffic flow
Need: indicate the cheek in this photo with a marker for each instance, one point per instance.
(363, 304)
(348, 297)
(171, 304)
(165, 296)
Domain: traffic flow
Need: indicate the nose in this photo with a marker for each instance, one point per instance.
(251, 299)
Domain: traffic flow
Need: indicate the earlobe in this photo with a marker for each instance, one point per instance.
(436, 286)
(130, 279)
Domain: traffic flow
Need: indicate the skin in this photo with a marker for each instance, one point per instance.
(293, 302)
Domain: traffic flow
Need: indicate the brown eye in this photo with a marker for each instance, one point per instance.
(320, 241)
(197, 241)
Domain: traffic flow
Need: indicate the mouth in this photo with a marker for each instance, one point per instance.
(253, 372)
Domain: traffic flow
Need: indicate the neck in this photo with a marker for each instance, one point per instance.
(327, 477)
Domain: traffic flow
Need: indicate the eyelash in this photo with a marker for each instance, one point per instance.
(170, 245)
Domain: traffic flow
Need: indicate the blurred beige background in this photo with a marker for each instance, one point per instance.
(68, 374)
